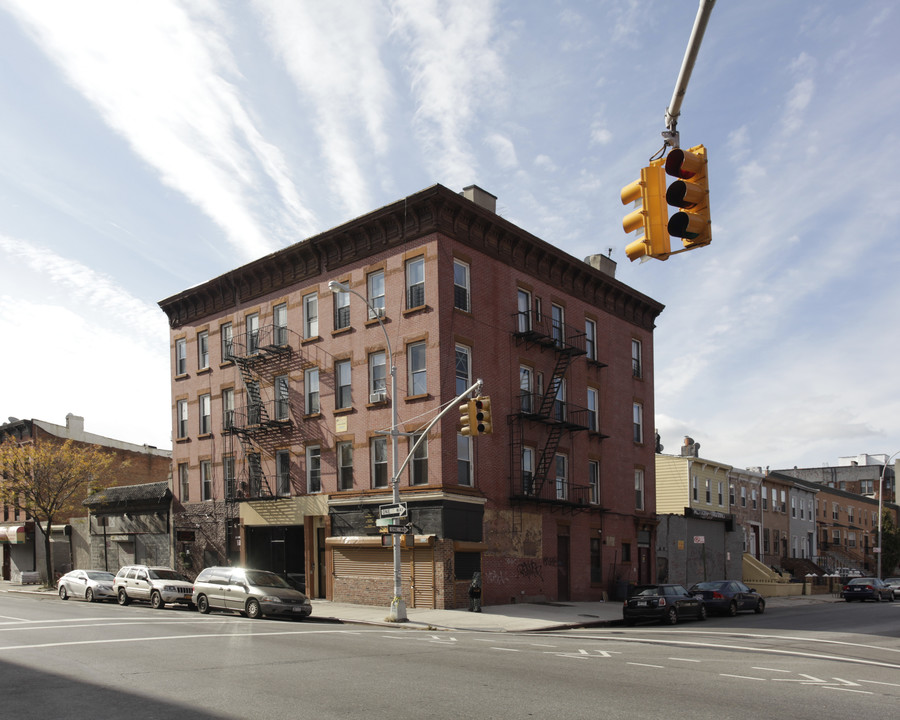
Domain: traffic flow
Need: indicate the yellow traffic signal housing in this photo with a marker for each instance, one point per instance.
(483, 424)
(467, 421)
(651, 216)
(690, 193)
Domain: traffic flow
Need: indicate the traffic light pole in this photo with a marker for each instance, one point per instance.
(670, 134)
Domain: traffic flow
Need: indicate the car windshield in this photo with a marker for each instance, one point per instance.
(862, 581)
(652, 590)
(265, 579)
(96, 575)
(161, 574)
(708, 586)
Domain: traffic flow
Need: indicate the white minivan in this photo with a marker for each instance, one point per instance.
(253, 593)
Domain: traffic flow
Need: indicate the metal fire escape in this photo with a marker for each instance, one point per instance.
(551, 411)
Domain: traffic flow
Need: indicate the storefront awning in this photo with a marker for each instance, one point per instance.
(12, 534)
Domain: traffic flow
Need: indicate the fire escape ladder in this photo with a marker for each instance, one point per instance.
(563, 360)
(547, 455)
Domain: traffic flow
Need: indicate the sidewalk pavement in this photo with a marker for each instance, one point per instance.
(518, 617)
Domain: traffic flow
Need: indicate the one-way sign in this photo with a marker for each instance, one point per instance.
(398, 510)
(398, 529)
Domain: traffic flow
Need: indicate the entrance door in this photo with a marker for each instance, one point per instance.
(562, 567)
(320, 562)
(644, 566)
(7, 562)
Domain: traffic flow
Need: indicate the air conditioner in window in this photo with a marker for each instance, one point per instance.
(377, 397)
(377, 312)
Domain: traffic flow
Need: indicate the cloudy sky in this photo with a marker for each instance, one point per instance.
(148, 146)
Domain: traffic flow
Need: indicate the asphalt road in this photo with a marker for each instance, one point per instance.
(75, 659)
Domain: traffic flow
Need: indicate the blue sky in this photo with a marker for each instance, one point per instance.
(146, 147)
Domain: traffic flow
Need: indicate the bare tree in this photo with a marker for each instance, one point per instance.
(45, 479)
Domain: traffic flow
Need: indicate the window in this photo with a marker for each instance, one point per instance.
(590, 339)
(228, 408)
(708, 491)
(523, 324)
(851, 539)
(375, 287)
(252, 325)
(528, 470)
(205, 480)
(526, 388)
(626, 552)
(636, 369)
(311, 387)
(254, 473)
(205, 416)
(464, 460)
(638, 420)
(279, 324)
(562, 470)
(314, 469)
(180, 356)
(341, 310)
(557, 324)
(418, 465)
(731, 496)
(254, 403)
(228, 472)
(559, 404)
(345, 465)
(849, 513)
(783, 506)
(765, 499)
(460, 286)
(593, 406)
(184, 484)
(415, 282)
(594, 480)
(418, 381)
(343, 396)
(227, 334)
(721, 496)
(596, 561)
(282, 401)
(463, 369)
(377, 374)
(282, 473)
(695, 488)
(203, 350)
(181, 412)
(834, 511)
(836, 536)
(766, 540)
(743, 497)
(378, 448)
(310, 316)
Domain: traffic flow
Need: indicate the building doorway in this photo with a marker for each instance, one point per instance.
(562, 567)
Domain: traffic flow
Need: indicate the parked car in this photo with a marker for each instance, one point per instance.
(88, 584)
(158, 585)
(254, 593)
(729, 596)
(894, 583)
(665, 603)
(869, 588)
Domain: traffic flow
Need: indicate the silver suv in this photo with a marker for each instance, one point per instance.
(158, 585)
(253, 593)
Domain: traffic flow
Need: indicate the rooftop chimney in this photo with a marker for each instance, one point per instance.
(603, 263)
(480, 197)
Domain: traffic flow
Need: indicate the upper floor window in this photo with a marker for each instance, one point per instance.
(418, 466)
(377, 375)
(562, 476)
(311, 387)
(203, 350)
(228, 475)
(343, 397)
(636, 369)
(526, 388)
(558, 324)
(743, 497)
(310, 316)
(375, 288)
(378, 453)
(282, 401)
(754, 503)
(180, 356)
(279, 323)
(638, 489)
(418, 379)
(345, 465)
(637, 414)
(721, 496)
(314, 469)
(594, 480)
(283, 473)
(528, 470)
(227, 335)
(463, 369)
(524, 314)
(205, 415)
(731, 495)
(461, 286)
(228, 408)
(765, 498)
(415, 282)
(464, 460)
(590, 339)
(181, 416)
(252, 324)
(341, 310)
(695, 488)
(184, 482)
(205, 480)
(593, 406)
(709, 491)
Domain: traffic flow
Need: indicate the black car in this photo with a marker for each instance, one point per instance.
(729, 596)
(867, 588)
(665, 603)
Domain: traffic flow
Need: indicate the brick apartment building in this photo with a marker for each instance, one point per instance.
(281, 399)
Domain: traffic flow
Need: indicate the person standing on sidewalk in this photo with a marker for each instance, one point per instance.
(475, 593)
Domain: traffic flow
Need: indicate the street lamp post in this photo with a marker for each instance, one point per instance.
(880, 494)
(398, 606)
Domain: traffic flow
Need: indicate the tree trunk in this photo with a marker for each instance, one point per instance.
(47, 558)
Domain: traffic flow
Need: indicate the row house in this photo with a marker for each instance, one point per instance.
(281, 401)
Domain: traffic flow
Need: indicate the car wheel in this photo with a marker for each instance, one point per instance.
(156, 601)
(760, 607)
(253, 609)
(701, 612)
(876, 597)
(732, 608)
(89, 594)
(203, 604)
(63, 593)
(122, 597)
(671, 617)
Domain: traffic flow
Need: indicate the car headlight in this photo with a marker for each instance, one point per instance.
(270, 599)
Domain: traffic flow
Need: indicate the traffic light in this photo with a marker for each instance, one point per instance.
(467, 419)
(650, 217)
(690, 193)
(483, 424)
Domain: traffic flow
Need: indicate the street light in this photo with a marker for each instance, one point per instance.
(398, 606)
(880, 494)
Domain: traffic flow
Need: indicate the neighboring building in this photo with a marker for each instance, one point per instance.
(281, 396)
(71, 539)
(776, 521)
(745, 502)
(857, 474)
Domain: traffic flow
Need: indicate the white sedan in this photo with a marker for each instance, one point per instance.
(894, 582)
(88, 584)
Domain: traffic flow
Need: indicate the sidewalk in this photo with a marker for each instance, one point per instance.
(519, 617)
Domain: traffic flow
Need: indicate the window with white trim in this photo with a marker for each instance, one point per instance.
(226, 333)
(637, 369)
(594, 481)
(377, 373)
(562, 476)
(282, 399)
(464, 460)
(418, 464)
(205, 414)
(375, 289)
(638, 489)
(184, 484)
(415, 282)
(590, 339)
(418, 376)
(181, 415)
(279, 324)
(341, 310)
(310, 316)
(313, 469)
(252, 342)
(205, 480)
(345, 465)
(180, 356)
(523, 321)
(311, 389)
(343, 395)
(463, 368)
(593, 406)
(228, 408)
(637, 413)
(378, 453)
(228, 475)
(283, 473)
(203, 350)
(460, 286)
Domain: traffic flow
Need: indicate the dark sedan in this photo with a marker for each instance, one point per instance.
(665, 603)
(867, 589)
(729, 597)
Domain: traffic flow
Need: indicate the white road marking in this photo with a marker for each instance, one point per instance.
(646, 665)
(861, 692)
(875, 682)
(770, 669)
(685, 659)
(506, 649)
(741, 677)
